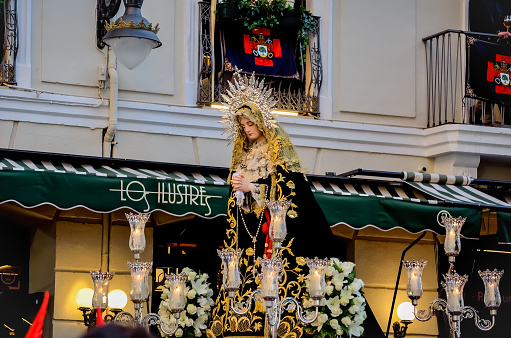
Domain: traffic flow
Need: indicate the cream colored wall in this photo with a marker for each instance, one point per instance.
(65, 58)
(377, 256)
(381, 58)
(78, 251)
(55, 138)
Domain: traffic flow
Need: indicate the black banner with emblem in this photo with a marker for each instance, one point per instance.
(489, 71)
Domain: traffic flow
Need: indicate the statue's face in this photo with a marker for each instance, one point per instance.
(251, 129)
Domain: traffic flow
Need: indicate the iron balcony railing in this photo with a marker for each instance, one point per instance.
(449, 99)
(9, 31)
(301, 97)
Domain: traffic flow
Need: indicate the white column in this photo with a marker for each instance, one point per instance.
(192, 50)
(24, 59)
(324, 9)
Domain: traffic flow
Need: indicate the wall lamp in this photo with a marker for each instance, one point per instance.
(405, 312)
(131, 36)
(117, 300)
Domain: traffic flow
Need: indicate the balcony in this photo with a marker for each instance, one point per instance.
(298, 95)
(467, 79)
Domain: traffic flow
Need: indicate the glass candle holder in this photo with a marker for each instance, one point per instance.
(491, 281)
(101, 281)
(453, 286)
(414, 284)
(231, 277)
(271, 272)
(139, 291)
(317, 284)
(137, 241)
(278, 230)
(177, 288)
(452, 244)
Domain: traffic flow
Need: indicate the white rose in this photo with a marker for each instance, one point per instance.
(192, 275)
(336, 311)
(179, 332)
(338, 286)
(339, 332)
(320, 320)
(191, 309)
(307, 303)
(329, 289)
(191, 294)
(334, 323)
(204, 277)
(346, 321)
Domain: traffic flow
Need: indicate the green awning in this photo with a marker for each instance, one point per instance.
(461, 195)
(504, 227)
(108, 185)
(105, 188)
(389, 205)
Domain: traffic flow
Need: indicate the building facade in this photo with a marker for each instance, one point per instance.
(373, 114)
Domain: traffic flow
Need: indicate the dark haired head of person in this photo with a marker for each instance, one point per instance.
(117, 331)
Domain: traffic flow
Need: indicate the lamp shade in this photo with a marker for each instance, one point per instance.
(117, 299)
(101, 281)
(84, 297)
(131, 36)
(414, 284)
(406, 311)
(231, 276)
(317, 284)
(278, 230)
(139, 291)
(137, 240)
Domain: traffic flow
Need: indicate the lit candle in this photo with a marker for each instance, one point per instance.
(175, 300)
(415, 284)
(233, 277)
(315, 283)
(450, 241)
(454, 301)
(491, 293)
(268, 286)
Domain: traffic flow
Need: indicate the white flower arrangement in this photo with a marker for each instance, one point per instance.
(193, 320)
(342, 311)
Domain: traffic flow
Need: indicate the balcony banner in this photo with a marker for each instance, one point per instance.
(488, 71)
(265, 51)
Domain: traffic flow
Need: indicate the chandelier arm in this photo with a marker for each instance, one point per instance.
(242, 307)
(125, 318)
(151, 319)
(169, 330)
(481, 323)
(437, 304)
(293, 303)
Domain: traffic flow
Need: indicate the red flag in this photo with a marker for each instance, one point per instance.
(99, 318)
(36, 330)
